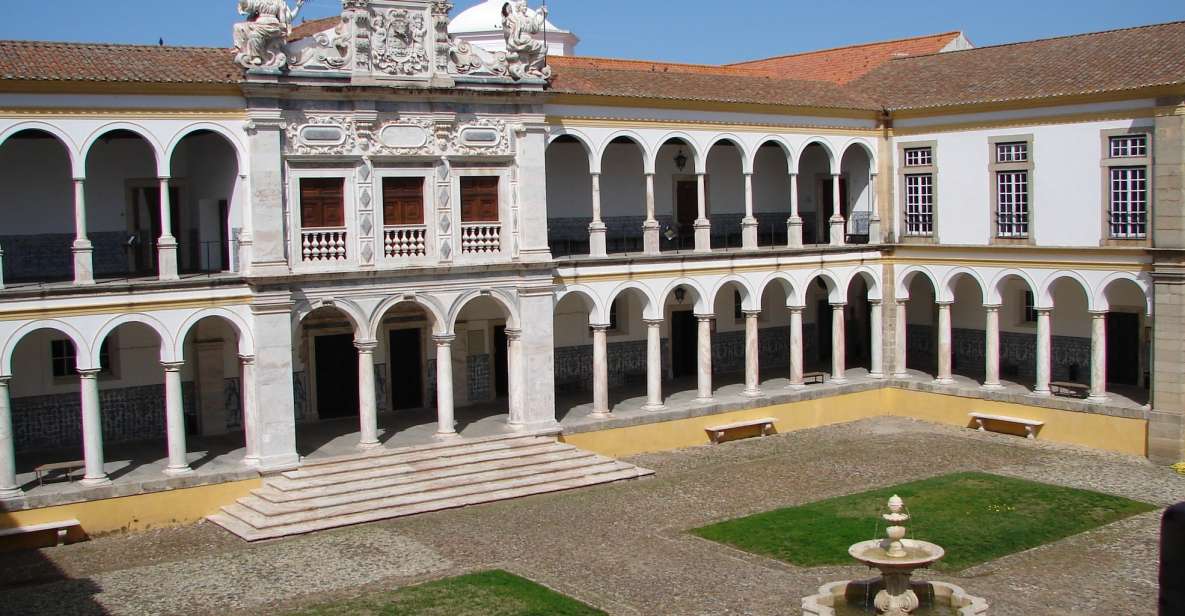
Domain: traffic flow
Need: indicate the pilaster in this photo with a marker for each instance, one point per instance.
(268, 222)
(275, 432)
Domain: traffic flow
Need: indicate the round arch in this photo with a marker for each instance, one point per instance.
(200, 127)
(507, 301)
(144, 133)
(647, 157)
(787, 149)
(698, 160)
(907, 275)
(596, 312)
(650, 310)
(871, 280)
(832, 161)
(353, 313)
(1103, 303)
(789, 287)
(426, 303)
(81, 347)
(858, 143)
(836, 292)
(236, 322)
(743, 152)
(594, 156)
(994, 295)
(77, 169)
(702, 299)
(167, 349)
(750, 300)
(1046, 294)
(952, 280)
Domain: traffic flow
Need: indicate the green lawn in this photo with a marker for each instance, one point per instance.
(489, 593)
(976, 517)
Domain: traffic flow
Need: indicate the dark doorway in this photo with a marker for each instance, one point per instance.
(501, 363)
(823, 312)
(146, 227)
(684, 344)
(337, 376)
(857, 334)
(686, 211)
(407, 371)
(1123, 348)
(827, 202)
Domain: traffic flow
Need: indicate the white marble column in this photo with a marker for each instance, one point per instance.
(752, 355)
(704, 357)
(92, 430)
(944, 344)
(600, 365)
(1044, 351)
(84, 272)
(991, 367)
(166, 246)
(653, 365)
(596, 229)
(838, 227)
(901, 367)
(175, 421)
(651, 242)
(447, 427)
(877, 368)
(514, 378)
(838, 344)
(794, 224)
(250, 411)
(9, 488)
(749, 224)
(796, 348)
(875, 236)
(703, 227)
(368, 413)
(1098, 357)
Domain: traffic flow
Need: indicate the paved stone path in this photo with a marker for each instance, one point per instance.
(623, 547)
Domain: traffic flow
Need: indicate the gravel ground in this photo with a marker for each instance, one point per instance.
(623, 547)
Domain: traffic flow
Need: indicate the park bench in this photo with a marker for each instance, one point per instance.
(48, 534)
(66, 468)
(717, 432)
(1030, 425)
(1068, 389)
(814, 378)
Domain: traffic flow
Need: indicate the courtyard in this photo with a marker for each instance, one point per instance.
(627, 548)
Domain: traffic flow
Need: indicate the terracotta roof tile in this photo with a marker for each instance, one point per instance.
(844, 64)
(44, 61)
(1092, 63)
(309, 28)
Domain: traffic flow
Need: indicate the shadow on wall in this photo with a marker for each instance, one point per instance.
(32, 582)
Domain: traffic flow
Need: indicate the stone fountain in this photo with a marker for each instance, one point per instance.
(897, 595)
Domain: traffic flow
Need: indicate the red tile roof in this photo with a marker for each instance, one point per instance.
(843, 64)
(309, 28)
(42, 61)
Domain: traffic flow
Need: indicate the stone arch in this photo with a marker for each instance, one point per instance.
(198, 127)
(427, 303)
(750, 300)
(703, 301)
(167, 349)
(76, 167)
(794, 296)
(871, 280)
(597, 314)
(907, 275)
(1102, 303)
(836, 291)
(699, 161)
(832, 160)
(787, 149)
(507, 301)
(952, 279)
(352, 311)
(81, 347)
(144, 133)
(236, 322)
(1045, 297)
(743, 152)
(993, 296)
(650, 310)
(857, 142)
(594, 154)
(647, 158)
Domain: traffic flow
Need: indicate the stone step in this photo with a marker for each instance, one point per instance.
(247, 532)
(285, 484)
(281, 490)
(371, 460)
(378, 452)
(426, 487)
(262, 521)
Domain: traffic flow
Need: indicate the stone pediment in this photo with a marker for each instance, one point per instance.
(382, 41)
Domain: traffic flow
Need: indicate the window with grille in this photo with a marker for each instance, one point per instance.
(64, 358)
(919, 205)
(322, 203)
(1012, 204)
(479, 199)
(1015, 152)
(1129, 202)
(1030, 310)
(919, 157)
(613, 323)
(1129, 146)
(403, 201)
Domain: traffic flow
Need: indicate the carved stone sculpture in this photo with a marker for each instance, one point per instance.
(525, 55)
(259, 40)
(399, 42)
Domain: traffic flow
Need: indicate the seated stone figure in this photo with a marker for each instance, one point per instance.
(260, 39)
(525, 56)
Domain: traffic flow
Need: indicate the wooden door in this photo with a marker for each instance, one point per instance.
(479, 199)
(403, 201)
(322, 203)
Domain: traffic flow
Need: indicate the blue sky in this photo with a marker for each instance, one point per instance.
(675, 30)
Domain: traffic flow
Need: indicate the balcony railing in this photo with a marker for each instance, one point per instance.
(481, 238)
(323, 245)
(405, 241)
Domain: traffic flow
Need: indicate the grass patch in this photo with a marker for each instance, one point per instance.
(488, 593)
(1180, 468)
(976, 517)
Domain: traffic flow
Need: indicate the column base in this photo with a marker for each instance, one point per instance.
(446, 436)
(1103, 399)
(944, 380)
(749, 233)
(281, 462)
(95, 482)
(703, 236)
(365, 445)
(166, 260)
(708, 400)
(601, 415)
(839, 381)
(11, 493)
(83, 262)
(597, 240)
(880, 376)
(991, 387)
(796, 386)
(178, 471)
(901, 375)
(654, 407)
(1041, 393)
(837, 232)
(794, 233)
(251, 462)
(651, 239)
(752, 393)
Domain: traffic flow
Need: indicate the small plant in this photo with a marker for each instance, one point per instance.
(1180, 468)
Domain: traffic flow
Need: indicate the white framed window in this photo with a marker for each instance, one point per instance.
(1129, 202)
(1012, 204)
(919, 157)
(1129, 146)
(919, 204)
(1012, 152)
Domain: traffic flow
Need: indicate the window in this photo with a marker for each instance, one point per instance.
(919, 157)
(322, 203)
(738, 311)
(1129, 202)
(479, 199)
(919, 205)
(64, 358)
(403, 201)
(1011, 174)
(1012, 152)
(1030, 312)
(1012, 198)
(1129, 146)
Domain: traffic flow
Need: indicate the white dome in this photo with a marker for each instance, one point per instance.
(486, 17)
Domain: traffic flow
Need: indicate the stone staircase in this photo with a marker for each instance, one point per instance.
(390, 483)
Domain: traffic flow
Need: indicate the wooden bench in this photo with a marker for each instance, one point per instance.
(1068, 389)
(814, 378)
(66, 468)
(717, 432)
(1030, 425)
(58, 531)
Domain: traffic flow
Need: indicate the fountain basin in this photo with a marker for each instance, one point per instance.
(918, 554)
(854, 597)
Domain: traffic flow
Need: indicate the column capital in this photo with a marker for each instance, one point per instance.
(653, 322)
(513, 335)
(748, 174)
(366, 346)
(798, 309)
(992, 307)
(1043, 311)
(163, 178)
(444, 340)
(751, 314)
(80, 180)
(172, 366)
(1098, 314)
(89, 373)
(705, 317)
(875, 302)
(247, 359)
(794, 174)
(945, 304)
(595, 174)
(599, 327)
(4, 380)
(838, 305)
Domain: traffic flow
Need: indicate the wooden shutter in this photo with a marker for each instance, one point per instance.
(403, 201)
(479, 199)
(322, 202)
